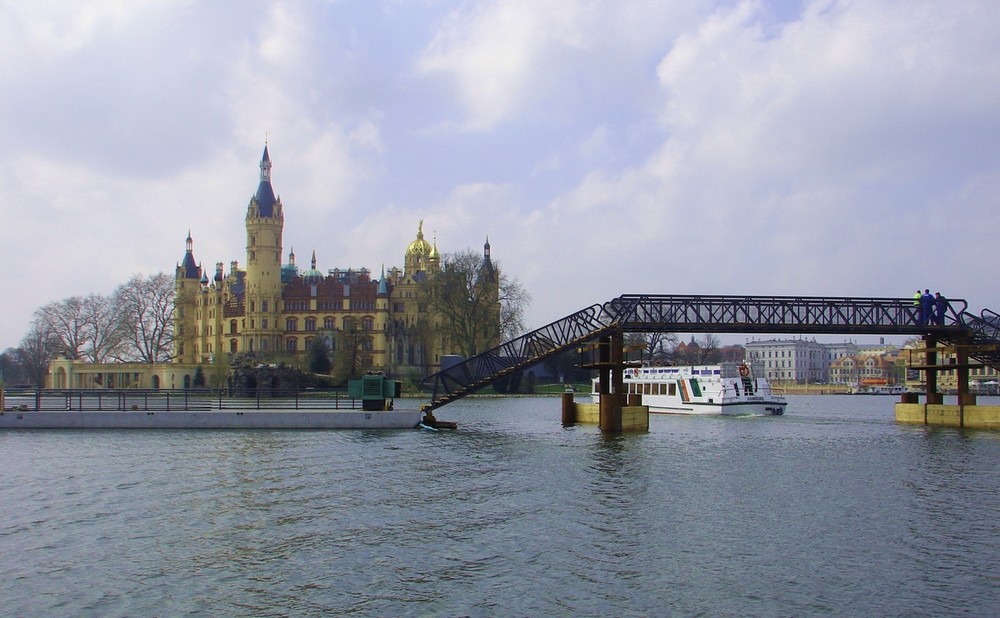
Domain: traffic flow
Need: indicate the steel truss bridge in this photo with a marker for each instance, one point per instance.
(645, 313)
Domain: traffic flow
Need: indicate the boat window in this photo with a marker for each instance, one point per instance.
(672, 389)
(695, 387)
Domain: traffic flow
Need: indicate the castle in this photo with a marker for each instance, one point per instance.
(274, 310)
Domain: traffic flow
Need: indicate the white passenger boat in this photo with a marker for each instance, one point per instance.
(727, 388)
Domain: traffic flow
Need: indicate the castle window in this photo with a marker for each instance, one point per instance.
(263, 306)
(232, 346)
(292, 344)
(328, 323)
(291, 325)
(232, 327)
(368, 323)
(310, 324)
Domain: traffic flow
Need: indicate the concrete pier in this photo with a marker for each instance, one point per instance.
(633, 418)
(949, 415)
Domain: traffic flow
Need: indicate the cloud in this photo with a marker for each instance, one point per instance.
(816, 157)
(815, 147)
(521, 59)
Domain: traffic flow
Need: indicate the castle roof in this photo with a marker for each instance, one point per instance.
(265, 193)
(189, 267)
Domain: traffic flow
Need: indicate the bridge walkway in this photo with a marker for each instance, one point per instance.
(718, 314)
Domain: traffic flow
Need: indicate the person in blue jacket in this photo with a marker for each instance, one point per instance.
(926, 307)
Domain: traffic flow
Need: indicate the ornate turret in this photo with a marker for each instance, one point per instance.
(488, 271)
(187, 283)
(418, 253)
(312, 276)
(188, 268)
(265, 223)
(383, 284)
(289, 271)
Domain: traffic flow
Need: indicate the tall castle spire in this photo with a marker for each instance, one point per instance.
(265, 223)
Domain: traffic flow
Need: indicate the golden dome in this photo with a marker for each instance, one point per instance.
(419, 247)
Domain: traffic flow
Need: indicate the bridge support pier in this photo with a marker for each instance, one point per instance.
(931, 390)
(611, 402)
(568, 410)
(966, 412)
(965, 398)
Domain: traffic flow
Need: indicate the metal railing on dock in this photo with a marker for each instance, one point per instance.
(187, 400)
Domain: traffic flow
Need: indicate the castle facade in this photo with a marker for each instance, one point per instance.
(277, 311)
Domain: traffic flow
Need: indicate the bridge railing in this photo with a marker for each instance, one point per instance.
(757, 314)
(982, 334)
(524, 351)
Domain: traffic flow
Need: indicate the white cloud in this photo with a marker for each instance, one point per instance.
(604, 147)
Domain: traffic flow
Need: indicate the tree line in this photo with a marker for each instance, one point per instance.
(135, 323)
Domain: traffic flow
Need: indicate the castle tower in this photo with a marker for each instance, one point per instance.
(265, 222)
(187, 285)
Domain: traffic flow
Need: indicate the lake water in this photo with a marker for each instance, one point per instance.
(831, 510)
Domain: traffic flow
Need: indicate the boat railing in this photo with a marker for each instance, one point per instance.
(184, 400)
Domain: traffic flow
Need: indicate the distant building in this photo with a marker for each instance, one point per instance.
(791, 360)
(868, 370)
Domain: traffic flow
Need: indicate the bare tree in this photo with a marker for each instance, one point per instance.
(709, 352)
(64, 320)
(145, 307)
(84, 325)
(654, 345)
(477, 304)
(102, 331)
(37, 350)
(352, 356)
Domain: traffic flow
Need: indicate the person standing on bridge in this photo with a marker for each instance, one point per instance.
(916, 304)
(940, 306)
(926, 307)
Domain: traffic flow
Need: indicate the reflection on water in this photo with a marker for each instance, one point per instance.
(833, 509)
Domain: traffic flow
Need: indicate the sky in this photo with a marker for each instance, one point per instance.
(604, 147)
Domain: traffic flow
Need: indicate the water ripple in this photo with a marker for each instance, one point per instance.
(833, 510)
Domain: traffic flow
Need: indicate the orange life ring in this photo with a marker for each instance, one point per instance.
(744, 370)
